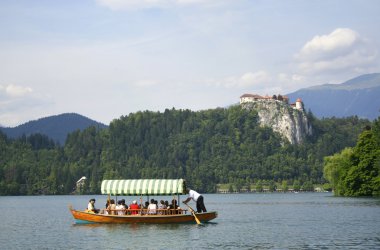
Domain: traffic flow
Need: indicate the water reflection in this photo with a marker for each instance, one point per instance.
(130, 226)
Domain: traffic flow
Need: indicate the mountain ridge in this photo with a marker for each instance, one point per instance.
(67, 123)
(357, 96)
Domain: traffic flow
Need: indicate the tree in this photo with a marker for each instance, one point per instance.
(361, 179)
(296, 185)
(355, 172)
(336, 168)
(284, 186)
(308, 186)
(259, 186)
(272, 186)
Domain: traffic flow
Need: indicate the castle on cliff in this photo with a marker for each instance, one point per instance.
(247, 98)
(290, 120)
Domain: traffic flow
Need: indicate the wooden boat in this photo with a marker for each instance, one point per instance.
(86, 217)
(144, 187)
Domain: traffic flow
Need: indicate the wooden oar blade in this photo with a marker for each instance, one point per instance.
(196, 219)
(193, 213)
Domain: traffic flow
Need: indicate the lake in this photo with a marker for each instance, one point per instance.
(245, 221)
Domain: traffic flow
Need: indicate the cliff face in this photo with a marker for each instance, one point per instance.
(282, 118)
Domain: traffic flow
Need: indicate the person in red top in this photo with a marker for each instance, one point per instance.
(134, 207)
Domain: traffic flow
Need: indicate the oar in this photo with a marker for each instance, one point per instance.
(193, 213)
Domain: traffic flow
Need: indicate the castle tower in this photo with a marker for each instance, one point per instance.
(299, 104)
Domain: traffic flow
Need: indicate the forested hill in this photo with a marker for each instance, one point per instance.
(56, 127)
(358, 96)
(207, 148)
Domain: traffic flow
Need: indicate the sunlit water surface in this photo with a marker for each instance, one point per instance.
(245, 221)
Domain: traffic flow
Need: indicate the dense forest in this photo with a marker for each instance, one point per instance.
(207, 148)
(356, 171)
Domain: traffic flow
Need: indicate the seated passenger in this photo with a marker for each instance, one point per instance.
(174, 207)
(152, 208)
(167, 207)
(161, 207)
(134, 208)
(111, 207)
(120, 209)
(91, 206)
(124, 206)
(145, 207)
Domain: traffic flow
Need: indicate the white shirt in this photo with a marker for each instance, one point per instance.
(120, 209)
(194, 195)
(152, 208)
(90, 206)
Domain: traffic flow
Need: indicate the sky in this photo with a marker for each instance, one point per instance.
(108, 58)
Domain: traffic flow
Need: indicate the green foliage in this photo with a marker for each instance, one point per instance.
(206, 148)
(335, 169)
(296, 186)
(308, 186)
(284, 186)
(356, 172)
(259, 186)
(272, 186)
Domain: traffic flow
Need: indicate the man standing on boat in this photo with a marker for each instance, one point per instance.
(198, 198)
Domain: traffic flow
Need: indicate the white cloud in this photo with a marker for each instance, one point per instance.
(17, 91)
(146, 83)
(257, 79)
(289, 82)
(142, 4)
(338, 41)
(341, 50)
(297, 78)
(254, 79)
(18, 102)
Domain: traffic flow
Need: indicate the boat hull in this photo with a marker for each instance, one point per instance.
(86, 217)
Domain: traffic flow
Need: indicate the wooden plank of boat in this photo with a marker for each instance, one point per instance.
(84, 216)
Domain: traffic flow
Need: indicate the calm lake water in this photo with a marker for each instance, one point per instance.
(246, 221)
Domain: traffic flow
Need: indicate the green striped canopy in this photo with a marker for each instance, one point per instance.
(144, 187)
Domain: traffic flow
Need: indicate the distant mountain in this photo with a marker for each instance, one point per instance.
(56, 127)
(358, 96)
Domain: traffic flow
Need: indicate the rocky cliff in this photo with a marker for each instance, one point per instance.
(291, 123)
